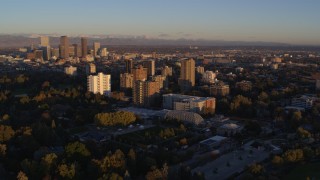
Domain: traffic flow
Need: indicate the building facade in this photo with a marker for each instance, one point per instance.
(126, 81)
(100, 83)
(219, 89)
(145, 93)
(189, 103)
(96, 47)
(150, 65)
(139, 73)
(187, 75)
(72, 71)
(129, 65)
(90, 68)
(208, 77)
(84, 47)
(64, 47)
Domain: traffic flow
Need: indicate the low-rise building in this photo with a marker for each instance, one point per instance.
(219, 89)
(229, 129)
(304, 101)
(188, 103)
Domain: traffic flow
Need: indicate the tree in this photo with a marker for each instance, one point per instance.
(49, 159)
(303, 133)
(76, 149)
(22, 176)
(3, 149)
(132, 154)
(6, 133)
(66, 171)
(296, 116)
(157, 174)
(5, 117)
(117, 118)
(277, 160)
(242, 106)
(256, 168)
(183, 141)
(293, 155)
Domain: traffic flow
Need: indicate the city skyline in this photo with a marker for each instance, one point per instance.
(292, 22)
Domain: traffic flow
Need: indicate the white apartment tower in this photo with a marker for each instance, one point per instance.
(100, 83)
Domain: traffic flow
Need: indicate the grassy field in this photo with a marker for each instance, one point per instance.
(311, 170)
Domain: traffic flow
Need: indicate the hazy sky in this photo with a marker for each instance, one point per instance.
(289, 21)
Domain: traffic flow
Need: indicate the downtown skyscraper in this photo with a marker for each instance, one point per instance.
(84, 46)
(64, 47)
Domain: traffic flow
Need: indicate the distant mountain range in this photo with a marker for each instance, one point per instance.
(21, 40)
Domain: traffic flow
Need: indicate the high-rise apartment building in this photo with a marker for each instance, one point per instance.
(139, 73)
(44, 41)
(90, 68)
(208, 77)
(104, 52)
(150, 65)
(166, 71)
(187, 75)
(126, 81)
(64, 47)
(77, 50)
(84, 47)
(100, 83)
(96, 47)
(129, 65)
(145, 93)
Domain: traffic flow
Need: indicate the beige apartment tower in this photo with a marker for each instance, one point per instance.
(187, 75)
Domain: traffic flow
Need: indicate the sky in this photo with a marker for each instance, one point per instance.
(285, 21)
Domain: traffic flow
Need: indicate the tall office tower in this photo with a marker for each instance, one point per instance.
(90, 68)
(55, 52)
(126, 81)
(38, 54)
(96, 47)
(104, 52)
(75, 50)
(45, 47)
(166, 71)
(150, 65)
(187, 75)
(64, 47)
(71, 51)
(46, 52)
(84, 46)
(100, 83)
(129, 65)
(145, 93)
(139, 73)
(44, 41)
